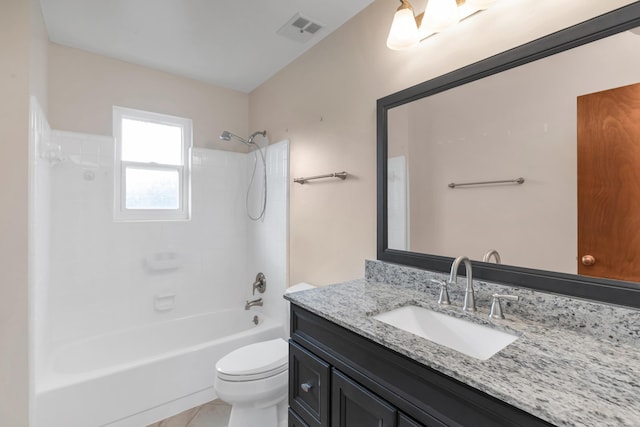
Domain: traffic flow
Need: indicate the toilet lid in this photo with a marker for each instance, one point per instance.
(254, 361)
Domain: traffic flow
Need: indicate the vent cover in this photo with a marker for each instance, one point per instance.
(299, 28)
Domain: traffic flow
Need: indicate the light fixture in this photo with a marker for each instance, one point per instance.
(407, 29)
(404, 28)
(480, 4)
(440, 15)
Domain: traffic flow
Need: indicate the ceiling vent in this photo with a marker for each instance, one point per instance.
(299, 28)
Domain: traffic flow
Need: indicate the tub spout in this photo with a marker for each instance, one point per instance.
(253, 303)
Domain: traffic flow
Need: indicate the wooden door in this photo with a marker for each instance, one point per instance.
(609, 183)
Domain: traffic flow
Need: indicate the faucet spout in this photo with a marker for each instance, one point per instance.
(253, 303)
(469, 295)
(492, 253)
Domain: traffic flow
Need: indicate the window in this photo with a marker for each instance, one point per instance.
(152, 170)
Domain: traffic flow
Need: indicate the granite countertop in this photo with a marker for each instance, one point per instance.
(566, 376)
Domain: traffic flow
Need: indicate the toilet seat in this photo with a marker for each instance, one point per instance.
(254, 361)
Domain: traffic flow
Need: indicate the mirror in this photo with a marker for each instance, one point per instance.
(508, 117)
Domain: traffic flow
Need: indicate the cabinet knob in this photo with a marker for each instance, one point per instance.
(588, 260)
(306, 387)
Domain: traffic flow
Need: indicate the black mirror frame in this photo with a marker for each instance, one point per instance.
(604, 290)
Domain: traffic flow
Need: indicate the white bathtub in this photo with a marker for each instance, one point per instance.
(135, 377)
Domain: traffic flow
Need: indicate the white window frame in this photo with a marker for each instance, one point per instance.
(121, 213)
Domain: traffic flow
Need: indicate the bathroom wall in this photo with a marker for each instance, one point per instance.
(22, 74)
(108, 275)
(268, 239)
(44, 156)
(14, 116)
(325, 101)
(83, 88)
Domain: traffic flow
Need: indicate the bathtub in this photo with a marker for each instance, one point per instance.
(135, 377)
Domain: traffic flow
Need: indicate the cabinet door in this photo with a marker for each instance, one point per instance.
(308, 386)
(295, 420)
(354, 406)
(405, 421)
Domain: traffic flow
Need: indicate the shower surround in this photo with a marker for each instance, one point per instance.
(108, 281)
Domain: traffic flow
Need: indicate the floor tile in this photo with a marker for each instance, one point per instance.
(212, 414)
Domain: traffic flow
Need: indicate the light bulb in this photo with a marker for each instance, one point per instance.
(440, 15)
(404, 30)
(480, 4)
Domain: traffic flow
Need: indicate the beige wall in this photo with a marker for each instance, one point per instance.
(23, 61)
(39, 57)
(325, 103)
(83, 88)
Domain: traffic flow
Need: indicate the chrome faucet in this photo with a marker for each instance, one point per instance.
(488, 255)
(253, 303)
(469, 296)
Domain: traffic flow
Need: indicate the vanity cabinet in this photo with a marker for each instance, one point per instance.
(338, 378)
(321, 395)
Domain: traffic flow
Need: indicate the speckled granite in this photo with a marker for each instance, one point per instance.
(571, 366)
(600, 320)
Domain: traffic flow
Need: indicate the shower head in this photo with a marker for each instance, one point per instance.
(227, 136)
(260, 132)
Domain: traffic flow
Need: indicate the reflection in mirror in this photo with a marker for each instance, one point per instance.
(522, 122)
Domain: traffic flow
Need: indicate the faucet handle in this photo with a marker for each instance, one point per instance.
(443, 299)
(496, 307)
(260, 284)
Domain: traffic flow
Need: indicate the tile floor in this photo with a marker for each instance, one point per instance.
(212, 414)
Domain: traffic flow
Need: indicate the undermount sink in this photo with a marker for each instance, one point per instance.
(469, 338)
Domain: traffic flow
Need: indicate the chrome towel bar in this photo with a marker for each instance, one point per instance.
(342, 175)
(505, 181)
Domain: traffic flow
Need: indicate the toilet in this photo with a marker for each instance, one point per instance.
(254, 380)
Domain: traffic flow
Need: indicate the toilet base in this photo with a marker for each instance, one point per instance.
(243, 415)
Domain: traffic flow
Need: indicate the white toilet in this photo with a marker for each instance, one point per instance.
(254, 380)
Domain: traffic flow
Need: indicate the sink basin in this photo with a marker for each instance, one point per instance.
(469, 338)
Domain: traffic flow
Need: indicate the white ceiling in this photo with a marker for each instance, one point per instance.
(230, 43)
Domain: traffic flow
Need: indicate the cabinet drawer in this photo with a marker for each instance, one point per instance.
(309, 386)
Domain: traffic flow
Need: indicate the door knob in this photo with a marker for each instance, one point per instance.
(588, 260)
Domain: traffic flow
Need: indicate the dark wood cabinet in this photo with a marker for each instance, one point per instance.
(338, 378)
(354, 406)
(404, 421)
(309, 386)
(322, 396)
(295, 420)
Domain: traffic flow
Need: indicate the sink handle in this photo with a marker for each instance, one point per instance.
(496, 307)
(443, 299)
